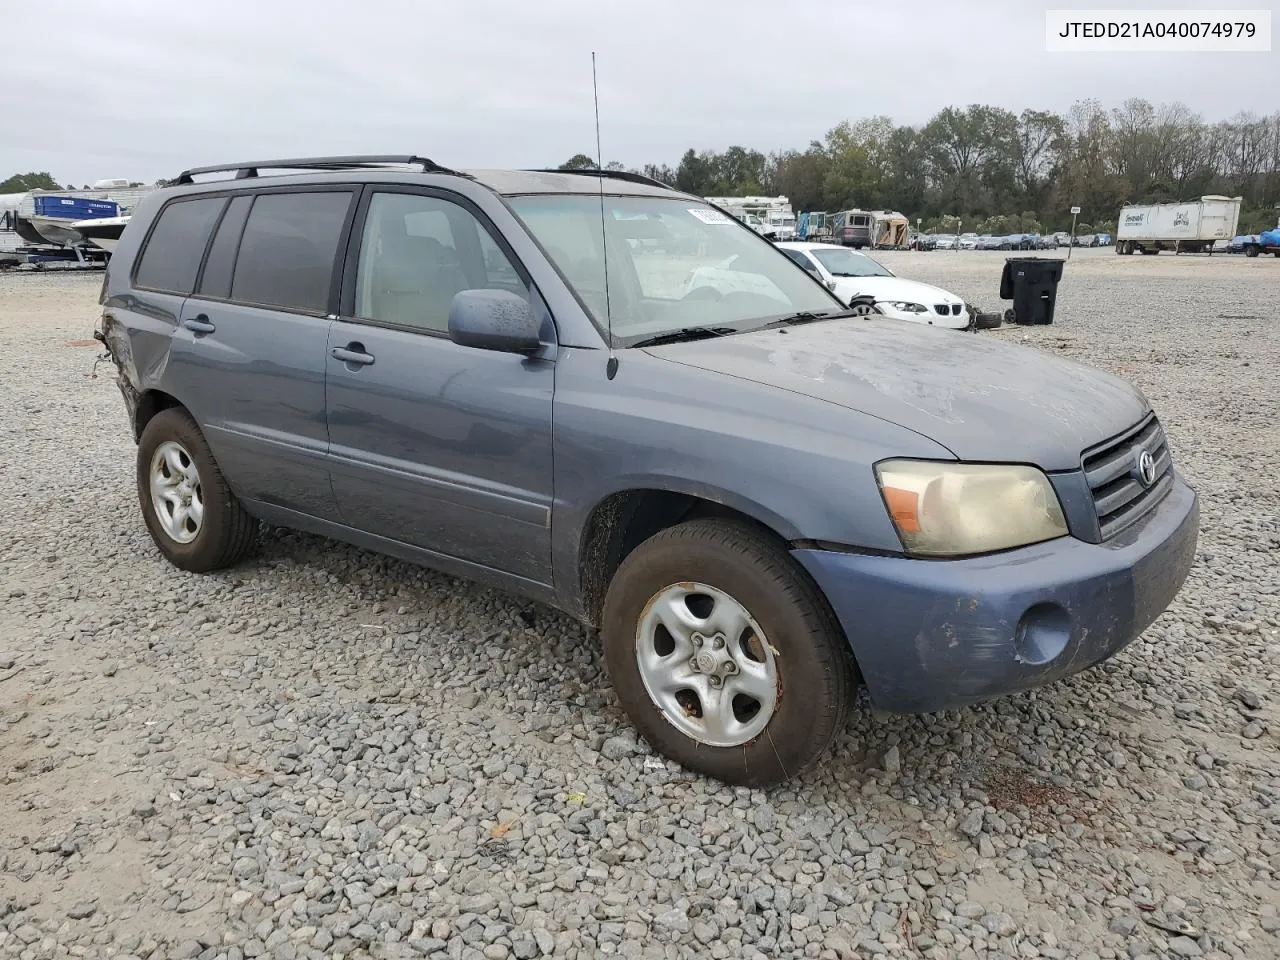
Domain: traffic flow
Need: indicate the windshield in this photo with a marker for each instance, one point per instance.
(845, 263)
(673, 263)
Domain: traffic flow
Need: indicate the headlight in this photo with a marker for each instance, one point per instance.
(904, 307)
(957, 509)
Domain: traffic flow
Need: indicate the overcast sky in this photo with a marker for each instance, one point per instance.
(144, 88)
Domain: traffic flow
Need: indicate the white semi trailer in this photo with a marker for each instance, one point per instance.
(1191, 227)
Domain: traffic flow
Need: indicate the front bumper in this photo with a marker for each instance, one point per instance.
(932, 635)
(930, 317)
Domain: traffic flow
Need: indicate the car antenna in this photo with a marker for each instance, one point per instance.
(611, 365)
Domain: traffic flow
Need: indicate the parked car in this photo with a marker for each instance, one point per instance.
(989, 242)
(1240, 243)
(1063, 238)
(926, 241)
(968, 241)
(945, 241)
(1085, 240)
(1048, 241)
(754, 496)
(868, 286)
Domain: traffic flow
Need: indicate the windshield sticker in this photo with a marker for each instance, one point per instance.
(707, 215)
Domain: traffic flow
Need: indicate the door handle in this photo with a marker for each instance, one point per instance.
(200, 324)
(352, 353)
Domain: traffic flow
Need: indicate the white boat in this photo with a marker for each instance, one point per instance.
(48, 217)
(54, 230)
(102, 232)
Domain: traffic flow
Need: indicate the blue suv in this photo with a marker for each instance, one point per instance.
(603, 394)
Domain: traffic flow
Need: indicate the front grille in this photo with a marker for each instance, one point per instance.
(947, 308)
(1119, 494)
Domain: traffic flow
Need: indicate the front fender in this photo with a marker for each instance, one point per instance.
(798, 465)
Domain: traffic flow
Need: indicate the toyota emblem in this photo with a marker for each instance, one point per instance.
(1146, 468)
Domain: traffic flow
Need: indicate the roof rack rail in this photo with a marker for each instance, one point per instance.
(249, 169)
(614, 175)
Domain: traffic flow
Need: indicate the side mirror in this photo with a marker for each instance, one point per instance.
(494, 320)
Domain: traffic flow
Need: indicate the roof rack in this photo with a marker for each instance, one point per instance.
(614, 175)
(249, 169)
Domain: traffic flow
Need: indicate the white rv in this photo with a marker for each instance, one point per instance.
(770, 216)
(1190, 227)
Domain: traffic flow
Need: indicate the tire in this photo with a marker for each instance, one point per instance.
(1251, 250)
(987, 321)
(863, 308)
(789, 630)
(172, 445)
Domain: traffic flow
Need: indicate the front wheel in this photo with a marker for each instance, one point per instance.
(862, 308)
(724, 654)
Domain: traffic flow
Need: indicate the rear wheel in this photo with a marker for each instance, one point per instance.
(189, 509)
(1251, 250)
(724, 654)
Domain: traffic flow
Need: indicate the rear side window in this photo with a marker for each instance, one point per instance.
(176, 246)
(216, 281)
(288, 249)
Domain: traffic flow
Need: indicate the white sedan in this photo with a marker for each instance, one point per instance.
(869, 287)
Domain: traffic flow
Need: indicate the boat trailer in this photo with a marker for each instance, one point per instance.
(75, 257)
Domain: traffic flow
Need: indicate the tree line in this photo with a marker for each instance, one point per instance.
(22, 182)
(991, 168)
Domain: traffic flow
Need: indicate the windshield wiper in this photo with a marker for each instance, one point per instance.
(805, 316)
(685, 334)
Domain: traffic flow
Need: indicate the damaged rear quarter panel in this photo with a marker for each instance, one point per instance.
(138, 329)
(137, 325)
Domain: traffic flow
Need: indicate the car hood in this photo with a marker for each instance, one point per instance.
(981, 398)
(893, 288)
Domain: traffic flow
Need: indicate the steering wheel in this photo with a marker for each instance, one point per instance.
(703, 293)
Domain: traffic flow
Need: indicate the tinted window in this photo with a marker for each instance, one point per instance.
(417, 253)
(216, 281)
(172, 257)
(288, 249)
(798, 257)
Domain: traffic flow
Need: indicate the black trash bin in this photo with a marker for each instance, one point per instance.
(1032, 284)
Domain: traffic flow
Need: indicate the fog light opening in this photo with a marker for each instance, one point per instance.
(1042, 634)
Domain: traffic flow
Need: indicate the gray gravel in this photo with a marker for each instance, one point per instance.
(328, 753)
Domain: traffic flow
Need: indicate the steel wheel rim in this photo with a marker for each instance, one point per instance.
(706, 664)
(176, 495)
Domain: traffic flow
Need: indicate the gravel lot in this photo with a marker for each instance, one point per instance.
(325, 752)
